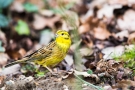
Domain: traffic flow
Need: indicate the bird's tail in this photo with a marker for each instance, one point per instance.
(16, 62)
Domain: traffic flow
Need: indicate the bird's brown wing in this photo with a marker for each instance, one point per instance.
(42, 52)
(37, 55)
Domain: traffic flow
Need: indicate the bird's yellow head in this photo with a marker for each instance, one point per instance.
(63, 39)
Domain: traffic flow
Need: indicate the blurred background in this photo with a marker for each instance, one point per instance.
(96, 27)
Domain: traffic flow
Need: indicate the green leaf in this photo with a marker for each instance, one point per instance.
(28, 67)
(90, 72)
(5, 3)
(70, 5)
(40, 74)
(3, 21)
(22, 28)
(29, 7)
(57, 10)
(63, 9)
(1, 48)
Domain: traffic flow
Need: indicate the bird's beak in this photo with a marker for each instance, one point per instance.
(56, 35)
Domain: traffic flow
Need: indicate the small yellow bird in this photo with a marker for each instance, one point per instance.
(49, 56)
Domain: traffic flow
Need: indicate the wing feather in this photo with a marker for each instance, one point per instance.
(43, 52)
(39, 54)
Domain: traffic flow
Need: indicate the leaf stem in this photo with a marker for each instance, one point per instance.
(89, 84)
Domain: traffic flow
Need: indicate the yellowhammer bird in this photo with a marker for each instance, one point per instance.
(51, 55)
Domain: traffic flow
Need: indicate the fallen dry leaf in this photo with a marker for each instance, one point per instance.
(121, 35)
(47, 13)
(95, 27)
(112, 51)
(121, 2)
(17, 6)
(16, 54)
(127, 22)
(3, 37)
(22, 52)
(69, 60)
(101, 33)
(2, 80)
(39, 3)
(41, 22)
(120, 74)
(84, 28)
(93, 59)
(110, 66)
(107, 11)
(85, 74)
(15, 69)
(27, 43)
(20, 1)
(96, 3)
(88, 39)
(3, 59)
(100, 44)
(124, 84)
(86, 51)
(131, 38)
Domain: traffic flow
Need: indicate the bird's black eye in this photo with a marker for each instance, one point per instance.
(62, 34)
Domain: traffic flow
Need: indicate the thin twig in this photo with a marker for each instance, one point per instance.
(96, 87)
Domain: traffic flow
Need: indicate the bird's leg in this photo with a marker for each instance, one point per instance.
(48, 69)
(53, 73)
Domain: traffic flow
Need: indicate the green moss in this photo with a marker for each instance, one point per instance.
(128, 57)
